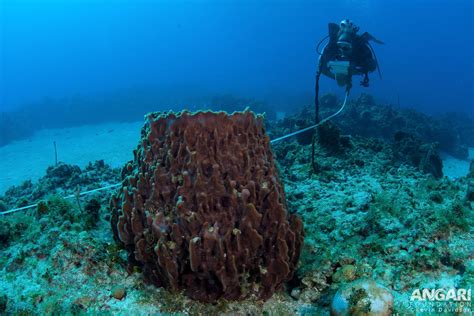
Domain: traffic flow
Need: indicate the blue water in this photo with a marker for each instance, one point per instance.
(366, 210)
(260, 49)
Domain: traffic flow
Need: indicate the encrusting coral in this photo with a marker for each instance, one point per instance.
(202, 208)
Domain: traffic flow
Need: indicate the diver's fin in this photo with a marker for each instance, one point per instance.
(367, 37)
(333, 29)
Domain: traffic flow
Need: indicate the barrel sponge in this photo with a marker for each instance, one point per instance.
(202, 209)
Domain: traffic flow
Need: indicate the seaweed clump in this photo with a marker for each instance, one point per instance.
(202, 208)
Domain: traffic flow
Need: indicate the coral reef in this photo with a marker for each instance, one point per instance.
(202, 208)
(62, 179)
(365, 117)
(366, 216)
(329, 137)
(395, 225)
(409, 149)
(470, 183)
(5, 233)
(91, 212)
(3, 303)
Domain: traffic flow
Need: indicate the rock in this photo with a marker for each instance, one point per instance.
(329, 137)
(328, 101)
(460, 152)
(118, 292)
(3, 206)
(367, 99)
(470, 191)
(407, 148)
(436, 197)
(307, 310)
(362, 200)
(61, 173)
(310, 296)
(91, 210)
(43, 222)
(345, 273)
(42, 209)
(66, 225)
(471, 169)
(5, 233)
(362, 297)
(295, 293)
(431, 161)
(3, 303)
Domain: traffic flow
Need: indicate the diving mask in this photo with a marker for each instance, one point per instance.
(347, 30)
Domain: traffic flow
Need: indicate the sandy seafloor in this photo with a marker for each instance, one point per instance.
(29, 158)
(113, 142)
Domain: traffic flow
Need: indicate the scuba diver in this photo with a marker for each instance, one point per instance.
(347, 54)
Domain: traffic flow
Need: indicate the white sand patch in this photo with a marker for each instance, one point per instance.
(29, 158)
(455, 168)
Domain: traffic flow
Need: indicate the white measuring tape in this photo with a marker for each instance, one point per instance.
(67, 197)
(118, 184)
(313, 126)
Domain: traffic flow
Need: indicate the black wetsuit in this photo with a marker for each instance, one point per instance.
(361, 59)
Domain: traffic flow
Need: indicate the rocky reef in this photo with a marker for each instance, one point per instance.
(377, 226)
(368, 216)
(411, 150)
(363, 116)
(61, 179)
(202, 208)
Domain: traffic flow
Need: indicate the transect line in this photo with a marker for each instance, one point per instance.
(312, 126)
(118, 184)
(67, 197)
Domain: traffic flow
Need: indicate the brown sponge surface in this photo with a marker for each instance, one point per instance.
(202, 208)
